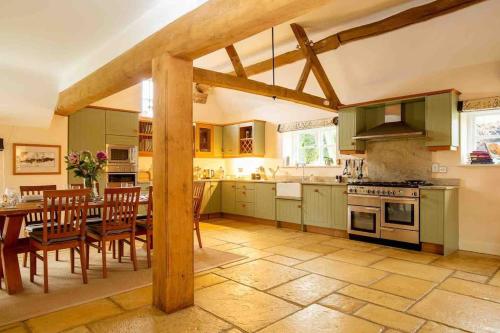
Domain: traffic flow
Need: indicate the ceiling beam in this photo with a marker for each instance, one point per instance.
(305, 74)
(221, 80)
(236, 61)
(212, 26)
(408, 17)
(316, 67)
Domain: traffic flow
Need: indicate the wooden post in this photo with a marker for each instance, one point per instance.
(173, 273)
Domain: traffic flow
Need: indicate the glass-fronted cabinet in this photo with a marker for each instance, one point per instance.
(204, 140)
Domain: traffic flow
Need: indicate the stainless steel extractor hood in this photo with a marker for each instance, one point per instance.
(394, 126)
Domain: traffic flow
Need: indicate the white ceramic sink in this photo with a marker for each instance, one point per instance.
(293, 190)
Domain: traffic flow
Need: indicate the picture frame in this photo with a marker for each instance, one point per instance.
(36, 159)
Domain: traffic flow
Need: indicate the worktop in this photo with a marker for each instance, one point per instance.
(273, 181)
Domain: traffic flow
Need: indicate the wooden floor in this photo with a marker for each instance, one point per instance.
(303, 282)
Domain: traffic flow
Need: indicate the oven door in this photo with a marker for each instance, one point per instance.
(364, 221)
(400, 213)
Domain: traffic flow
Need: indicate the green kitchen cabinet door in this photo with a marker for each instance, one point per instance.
(230, 140)
(351, 122)
(215, 197)
(207, 197)
(259, 138)
(289, 211)
(245, 208)
(122, 123)
(442, 120)
(122, 140)
(432, 216)
(339, 207)
(86, 131)
(228, 197)
(265, 203)
(218, 141)
(317, 200)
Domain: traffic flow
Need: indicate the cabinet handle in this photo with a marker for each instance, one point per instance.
(272, 189)
(423, 196)
(345, 192)
(299, 206)
(316, 190)
(244, 193)
(233, 186)
(243, 205)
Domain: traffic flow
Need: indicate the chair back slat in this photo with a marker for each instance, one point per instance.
(149, 212)
(64, 213)
(198, 188)
(93, 211)
(35, 217)
(120, 208)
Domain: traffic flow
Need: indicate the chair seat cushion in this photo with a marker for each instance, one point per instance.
(94, 220)
(34, 227)
(141, 217)
(38, 236)
(97, 229)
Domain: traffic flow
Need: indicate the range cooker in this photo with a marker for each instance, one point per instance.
(386, 210)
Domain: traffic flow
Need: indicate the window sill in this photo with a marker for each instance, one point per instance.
(479, 165)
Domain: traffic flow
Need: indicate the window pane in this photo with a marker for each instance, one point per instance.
(308, 155)
(316, 147)
(307, 140)
(487, 129)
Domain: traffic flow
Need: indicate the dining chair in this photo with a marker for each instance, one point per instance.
(34, 221)
(94, 215)
(198, 188)
(144, 226)
(118, 223)
(64, 218)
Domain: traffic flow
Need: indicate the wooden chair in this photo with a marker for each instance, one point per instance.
(118, 223)
(198, 188)
(34, 221)
(64, 224)
(94, 215)
(145, 227)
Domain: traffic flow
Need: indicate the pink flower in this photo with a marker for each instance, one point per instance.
(101, 156)
(74, 158)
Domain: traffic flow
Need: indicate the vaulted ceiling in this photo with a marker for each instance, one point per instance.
(46, 47)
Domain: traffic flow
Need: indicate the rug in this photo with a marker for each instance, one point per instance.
(66, 289)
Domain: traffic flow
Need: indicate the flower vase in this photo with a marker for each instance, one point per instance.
(91, 184)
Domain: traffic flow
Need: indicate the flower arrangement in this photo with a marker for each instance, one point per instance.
(86, 166)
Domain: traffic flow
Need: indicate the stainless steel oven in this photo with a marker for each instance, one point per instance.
(400, 219)
(121, 179)
(364, 215)
(121, 154)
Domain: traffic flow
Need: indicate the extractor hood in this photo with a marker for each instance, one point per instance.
(394, 126)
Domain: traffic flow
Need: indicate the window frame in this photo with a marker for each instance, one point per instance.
(147, 98)
(468, 130)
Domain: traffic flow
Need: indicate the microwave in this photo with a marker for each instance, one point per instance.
(121, 154)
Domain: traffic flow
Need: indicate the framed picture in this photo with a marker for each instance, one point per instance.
(33, 159)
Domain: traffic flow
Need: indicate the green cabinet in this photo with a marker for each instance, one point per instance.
(245, 208)
(230, 141)
(289, 211)
(439, 218)
(228, 194)
(442, 120)
(211, 202)
(317, 200)
(265, 203)
(339, 207)
(122, 140)
(122, 123)
(351, 122)
(218, 141)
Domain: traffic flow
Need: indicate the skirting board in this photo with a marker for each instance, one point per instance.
(432, 248)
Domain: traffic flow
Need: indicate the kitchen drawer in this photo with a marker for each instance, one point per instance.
(245, 195)
(245, 208)
(245, 186)
(401, 235)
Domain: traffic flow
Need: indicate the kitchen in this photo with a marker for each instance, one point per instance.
(377, 215)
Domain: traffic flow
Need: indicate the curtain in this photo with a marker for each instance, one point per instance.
(308, 124)
(481, 104)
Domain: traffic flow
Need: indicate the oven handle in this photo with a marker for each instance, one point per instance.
(399, 199)
(375, 209)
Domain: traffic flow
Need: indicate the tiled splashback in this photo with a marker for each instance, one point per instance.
(398, 160)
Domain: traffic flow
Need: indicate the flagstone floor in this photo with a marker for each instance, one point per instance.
(303, 282)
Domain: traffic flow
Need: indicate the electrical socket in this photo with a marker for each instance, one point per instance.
(443, 169)
(435, 167)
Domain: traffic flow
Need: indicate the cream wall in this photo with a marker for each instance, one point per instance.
(55, 134)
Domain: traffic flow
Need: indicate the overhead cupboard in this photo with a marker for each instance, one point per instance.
(433, 115)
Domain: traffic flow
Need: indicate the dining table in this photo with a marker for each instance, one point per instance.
(12, 244)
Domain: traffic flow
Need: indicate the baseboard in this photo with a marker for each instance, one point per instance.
(248, 219)
(326, 231)
(289, 225)
(204, 217)
(481, 247)
(432, 248)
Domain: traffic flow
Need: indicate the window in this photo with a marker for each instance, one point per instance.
(147, 99)
(482, 133)
(312, 147)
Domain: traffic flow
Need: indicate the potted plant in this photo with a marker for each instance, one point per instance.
(87, 167)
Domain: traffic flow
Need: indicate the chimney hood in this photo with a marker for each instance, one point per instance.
(393, 126)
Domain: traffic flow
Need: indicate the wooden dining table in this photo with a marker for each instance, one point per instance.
(11, 244)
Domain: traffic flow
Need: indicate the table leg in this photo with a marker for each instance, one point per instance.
(9, 250)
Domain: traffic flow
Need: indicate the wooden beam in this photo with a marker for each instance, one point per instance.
(228, 81)
(316, 67)
(305, 74)
(173, 272)
(236, 61)
(391, 23)
(211, 26)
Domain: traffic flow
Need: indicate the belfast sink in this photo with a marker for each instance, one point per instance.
(289, 189)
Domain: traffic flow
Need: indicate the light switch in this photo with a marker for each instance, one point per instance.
(435, 167)
(443, 169)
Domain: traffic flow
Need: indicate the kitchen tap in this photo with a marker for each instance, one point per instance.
(303, 166)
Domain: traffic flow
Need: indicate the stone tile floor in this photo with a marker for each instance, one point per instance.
(303, 282)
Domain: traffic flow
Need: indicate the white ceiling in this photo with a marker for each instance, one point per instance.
(46, 46)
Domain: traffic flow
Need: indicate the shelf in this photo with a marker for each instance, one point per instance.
(146, 134)
(146, 153)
